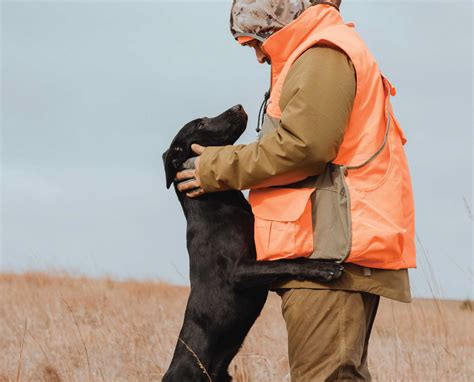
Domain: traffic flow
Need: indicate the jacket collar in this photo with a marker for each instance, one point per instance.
(281, 44)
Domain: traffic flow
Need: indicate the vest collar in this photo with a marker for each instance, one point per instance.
(281, 44)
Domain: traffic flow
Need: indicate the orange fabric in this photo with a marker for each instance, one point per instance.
(381, 195)
(283, 222)
(244, 39)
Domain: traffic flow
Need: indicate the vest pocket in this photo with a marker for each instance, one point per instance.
(332, 216)
(283, 222)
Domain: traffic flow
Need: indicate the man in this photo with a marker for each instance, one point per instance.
(328, 117)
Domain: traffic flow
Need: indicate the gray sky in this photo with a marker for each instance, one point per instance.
(93, 92)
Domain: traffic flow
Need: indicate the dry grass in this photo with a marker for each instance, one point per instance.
(59, 328)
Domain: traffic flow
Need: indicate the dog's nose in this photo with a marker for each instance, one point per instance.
(237, 108)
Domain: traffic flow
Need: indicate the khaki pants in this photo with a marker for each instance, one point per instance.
(328, 333)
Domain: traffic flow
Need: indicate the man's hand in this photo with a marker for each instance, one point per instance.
(188, 178)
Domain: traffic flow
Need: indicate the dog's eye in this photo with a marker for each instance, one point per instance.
(202, 125)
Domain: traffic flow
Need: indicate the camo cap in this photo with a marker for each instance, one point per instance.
(260, 18)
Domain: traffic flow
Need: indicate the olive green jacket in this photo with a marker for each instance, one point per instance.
(316, 102)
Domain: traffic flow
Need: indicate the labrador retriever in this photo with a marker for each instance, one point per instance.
(228, 286)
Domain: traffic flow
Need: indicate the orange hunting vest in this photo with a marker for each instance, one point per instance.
(370, 175)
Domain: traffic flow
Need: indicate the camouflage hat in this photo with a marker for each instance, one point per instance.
(260, 18)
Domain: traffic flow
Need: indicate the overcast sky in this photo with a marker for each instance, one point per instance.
(93, 92)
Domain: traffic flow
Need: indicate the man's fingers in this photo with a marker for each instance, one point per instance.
(188, 185)
(185, 174)
(189, 164)
(188, 178)
(198, 149)
(195, 193)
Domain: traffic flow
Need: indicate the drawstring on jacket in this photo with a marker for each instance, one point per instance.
(262, 111)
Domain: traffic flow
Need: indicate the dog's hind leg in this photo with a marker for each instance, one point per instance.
(264, 273)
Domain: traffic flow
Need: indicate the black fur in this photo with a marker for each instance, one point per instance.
(228, 286)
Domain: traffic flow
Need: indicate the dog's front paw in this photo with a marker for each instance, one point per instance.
(323, 271)
(333, 272)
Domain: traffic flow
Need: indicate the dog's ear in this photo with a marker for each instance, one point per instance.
(171, 164)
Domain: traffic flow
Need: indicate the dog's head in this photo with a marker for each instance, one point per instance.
(222, 130)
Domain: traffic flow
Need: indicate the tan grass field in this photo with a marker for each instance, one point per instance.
(60, 328)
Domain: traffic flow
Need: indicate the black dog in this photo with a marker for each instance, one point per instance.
(228, 286)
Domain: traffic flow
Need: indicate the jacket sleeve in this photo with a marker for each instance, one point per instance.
(316, 103)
